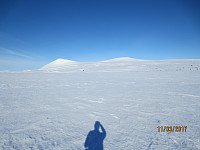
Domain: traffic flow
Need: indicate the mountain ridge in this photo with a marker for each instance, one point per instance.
(121, 64)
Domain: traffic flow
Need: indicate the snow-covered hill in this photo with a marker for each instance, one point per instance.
(120, 65)
(55, 107)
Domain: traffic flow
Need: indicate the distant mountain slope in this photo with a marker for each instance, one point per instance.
(122, 64)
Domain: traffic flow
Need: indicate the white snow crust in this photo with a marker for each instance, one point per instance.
(56, 106)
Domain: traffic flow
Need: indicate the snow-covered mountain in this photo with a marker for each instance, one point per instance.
(61, 65)
(120, 65)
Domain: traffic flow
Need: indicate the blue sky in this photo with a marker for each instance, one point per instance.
(36, 32)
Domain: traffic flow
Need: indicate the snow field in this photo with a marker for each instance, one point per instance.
(41, 110)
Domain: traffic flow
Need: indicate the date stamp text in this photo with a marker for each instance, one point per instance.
(172, 128)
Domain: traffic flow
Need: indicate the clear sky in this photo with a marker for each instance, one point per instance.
(36, 32)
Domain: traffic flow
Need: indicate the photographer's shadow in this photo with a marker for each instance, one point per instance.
(94, 140)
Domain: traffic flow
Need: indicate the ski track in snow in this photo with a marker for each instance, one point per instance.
(53, 111)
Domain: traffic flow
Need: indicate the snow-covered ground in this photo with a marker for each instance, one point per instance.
(56, 106)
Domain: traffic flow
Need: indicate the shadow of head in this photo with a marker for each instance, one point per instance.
(96, 125)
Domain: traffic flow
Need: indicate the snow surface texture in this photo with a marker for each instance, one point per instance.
(56, 106)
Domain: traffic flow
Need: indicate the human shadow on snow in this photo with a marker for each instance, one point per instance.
(94, 140)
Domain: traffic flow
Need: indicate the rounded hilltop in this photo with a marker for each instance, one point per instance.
(60, 60)
(121, 59)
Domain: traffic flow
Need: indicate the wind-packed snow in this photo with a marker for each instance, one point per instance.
(56, 106)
